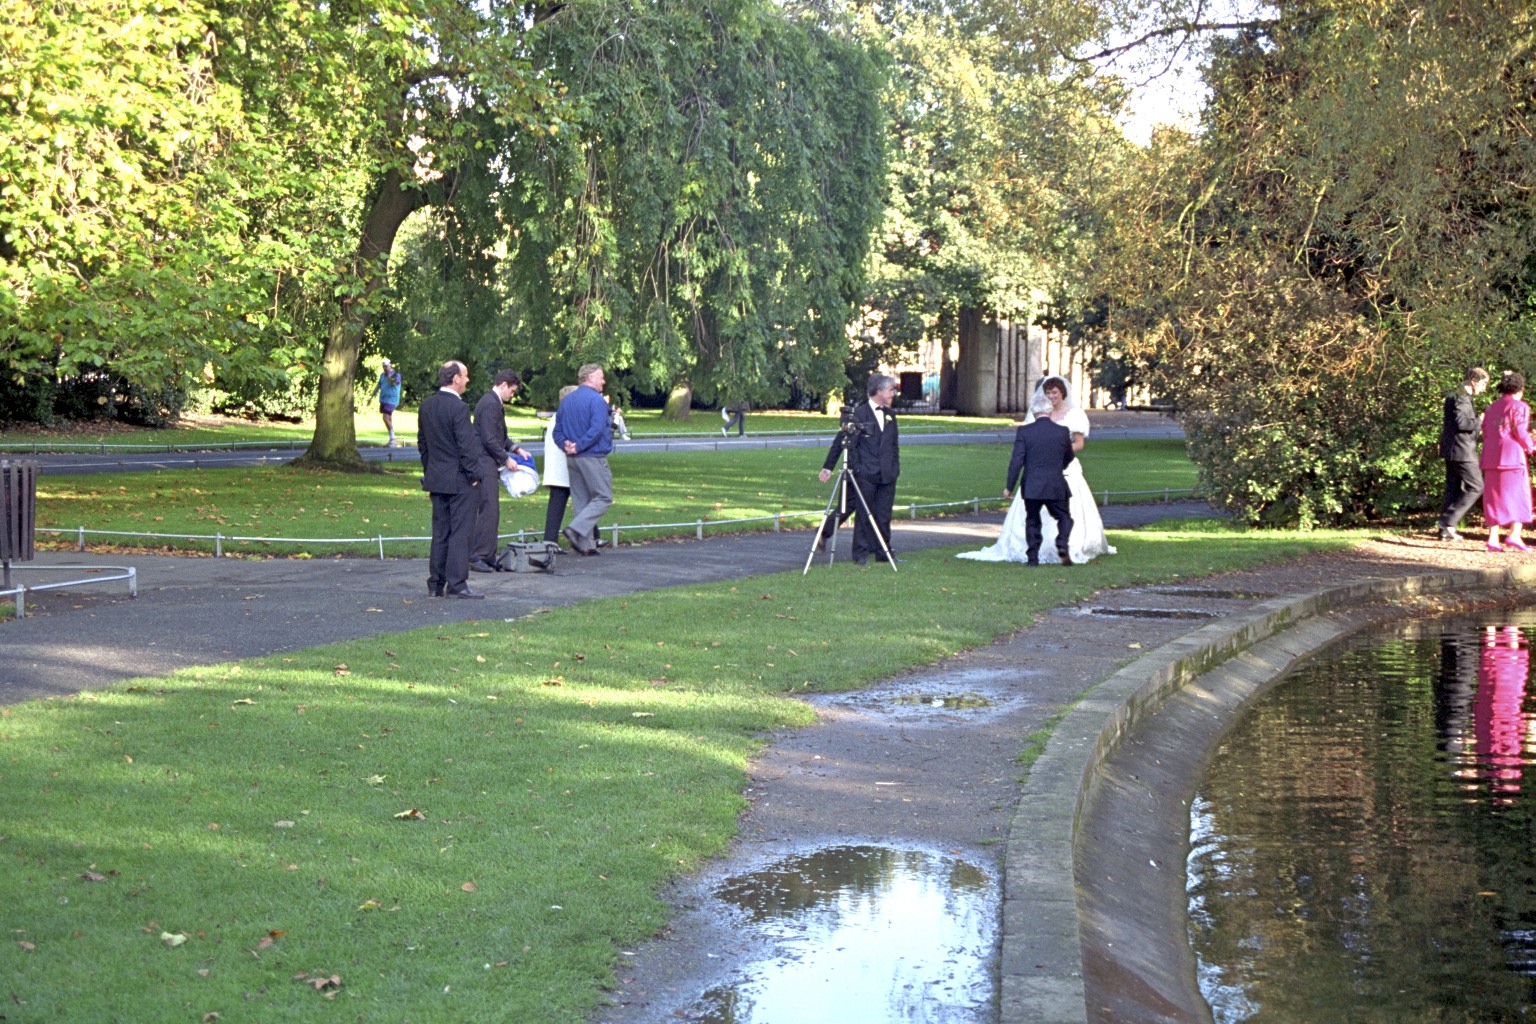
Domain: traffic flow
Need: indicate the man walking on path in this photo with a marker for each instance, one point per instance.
(450, 471)
(582, 431)
(1458, 447)
(1042, 449)
(388, 389)
(494, 454)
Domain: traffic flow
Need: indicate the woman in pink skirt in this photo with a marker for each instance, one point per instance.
(1506, 474)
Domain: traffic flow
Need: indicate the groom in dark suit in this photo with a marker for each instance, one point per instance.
(1042, 450)
(450, 472)
(1458, 447)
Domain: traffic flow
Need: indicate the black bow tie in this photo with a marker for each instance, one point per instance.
(884, 410)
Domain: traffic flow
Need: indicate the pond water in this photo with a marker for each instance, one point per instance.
(1363, 845)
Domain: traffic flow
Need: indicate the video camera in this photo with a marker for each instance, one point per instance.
(850, 427)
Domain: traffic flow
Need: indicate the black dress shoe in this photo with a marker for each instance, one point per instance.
(434, 590)
(600, 543)
(579, 542)
(1065, 556)
(464, 592)
(1032, 561)
(1449, 533)
(481, 566)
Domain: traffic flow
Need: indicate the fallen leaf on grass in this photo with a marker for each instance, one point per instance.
(172, 939)
(242, 700)
(557, 681)
(370, 905)
(25, 945)
(93, 876)
(376, 780)
(411, 815)
(642, 714)
(211, 1015)
(468, 887)
(320, 983)
(342, 670)
(282, 824)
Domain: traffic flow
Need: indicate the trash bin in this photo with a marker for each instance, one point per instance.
(18, 510)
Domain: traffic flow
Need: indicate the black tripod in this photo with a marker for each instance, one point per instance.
(838, 499)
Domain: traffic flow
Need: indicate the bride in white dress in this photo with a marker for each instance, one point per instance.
(1087, 541)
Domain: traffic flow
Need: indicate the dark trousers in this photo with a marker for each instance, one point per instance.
(453, 516)
(1059, 508)
(1463, 486)
(554, 513)
(881, 499)
(738, 420)
(482, 539)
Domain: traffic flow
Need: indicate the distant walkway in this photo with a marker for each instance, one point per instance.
(1108, 425)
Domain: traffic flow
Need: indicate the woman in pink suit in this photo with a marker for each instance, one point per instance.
(1506, 474)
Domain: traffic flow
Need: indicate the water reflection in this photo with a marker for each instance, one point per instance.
(1504, 664)
(1361, 847)
(866, 934)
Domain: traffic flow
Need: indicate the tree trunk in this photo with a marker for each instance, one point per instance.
(679, 404)
(976, 369)
(334, 444)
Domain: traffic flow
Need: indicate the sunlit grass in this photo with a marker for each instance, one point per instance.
(563, 767)
(649, 487)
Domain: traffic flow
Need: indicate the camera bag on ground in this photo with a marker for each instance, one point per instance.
(538, 556)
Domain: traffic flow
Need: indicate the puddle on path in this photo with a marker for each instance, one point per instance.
(974, 691)
(1144, 613)
(862, 933)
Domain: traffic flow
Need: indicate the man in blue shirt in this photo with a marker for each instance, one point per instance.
(583, 432)
(388, 389)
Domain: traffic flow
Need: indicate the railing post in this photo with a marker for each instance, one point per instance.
(381, 547)
(778, 522)
(80, 541)
(698, 529)
(218, 545)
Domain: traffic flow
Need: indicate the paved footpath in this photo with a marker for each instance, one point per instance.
(199, 611)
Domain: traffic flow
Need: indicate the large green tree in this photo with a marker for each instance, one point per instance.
(1351, 229)
(128, 172)
(705, 220)
(994, 136)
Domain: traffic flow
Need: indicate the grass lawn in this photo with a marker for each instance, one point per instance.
(522, 422)
(649, 487)
(461, 823)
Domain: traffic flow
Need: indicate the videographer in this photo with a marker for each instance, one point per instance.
(869, 433)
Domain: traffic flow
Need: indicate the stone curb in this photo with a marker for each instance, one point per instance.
(1041, 972)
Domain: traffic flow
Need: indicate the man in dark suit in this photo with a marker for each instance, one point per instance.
(1042, 450)
(494, 453)
(874, 459)
(450, 472)
(1458, 447)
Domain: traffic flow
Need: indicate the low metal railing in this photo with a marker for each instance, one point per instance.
(696, 526)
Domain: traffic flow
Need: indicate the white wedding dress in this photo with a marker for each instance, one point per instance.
(1087, 541)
